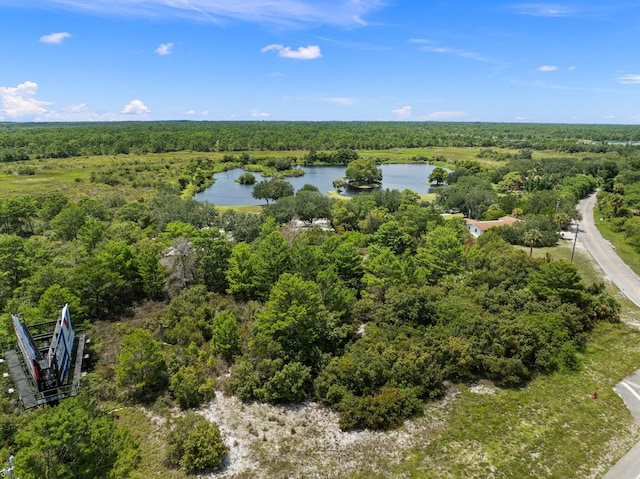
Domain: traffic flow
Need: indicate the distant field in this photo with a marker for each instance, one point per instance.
(139, 175)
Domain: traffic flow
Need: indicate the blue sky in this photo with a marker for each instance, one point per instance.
(343, 60)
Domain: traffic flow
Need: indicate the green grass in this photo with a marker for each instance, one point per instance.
(622, 248)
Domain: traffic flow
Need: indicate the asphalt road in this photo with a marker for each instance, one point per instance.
(614, 268)
(629, 283)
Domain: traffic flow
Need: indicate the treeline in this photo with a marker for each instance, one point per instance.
(19, 142)
(619, 202)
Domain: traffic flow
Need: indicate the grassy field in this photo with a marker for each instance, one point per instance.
(138, 175)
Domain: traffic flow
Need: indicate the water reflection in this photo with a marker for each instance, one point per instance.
(226, 191)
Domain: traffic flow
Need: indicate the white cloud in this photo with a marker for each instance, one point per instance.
(403, 112)
(571, 68)
(446, 115)
(340, 100)
(19, 102)
(55, 38)
(291, 13)
(542, 10)
(135, 107)
(79, 112)
(431, 47)
(260, 114)
(190, 112)
(310, 52)
(164, 49)
(610, 117)
(547, 68)
(629, 79)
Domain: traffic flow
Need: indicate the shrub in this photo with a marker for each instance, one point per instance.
(385, 410)
(195, 443)
(191, 387)
(290, 384)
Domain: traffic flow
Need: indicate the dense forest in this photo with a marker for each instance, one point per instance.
(62, 140)
(371, 318)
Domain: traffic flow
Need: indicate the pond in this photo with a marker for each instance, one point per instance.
(226, 191)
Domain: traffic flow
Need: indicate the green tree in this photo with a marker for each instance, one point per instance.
(439, 175)
(512, 181)
(289, 384)
(532, 238)
(441, 255)
(226, 335)
(195, 443)
(294, 317)
(272, 189)
(91, 233)
(108, 281)
(212, 259)
(271, 259)
(246, 178)
(74, 439)
(152, 273)
(558, 277)
(471, 195)
(191, 386)
(363, 171)
(339, 184)
(141, 366)
(239, 274)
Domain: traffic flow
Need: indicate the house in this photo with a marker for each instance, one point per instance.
(477, 228)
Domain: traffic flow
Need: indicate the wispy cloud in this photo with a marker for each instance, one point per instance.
(55, 38)
(547, 68)
(356, 45)
(310, 52)
(446, 115)
(403, 112)
(629, 79)
(340, 100)
(259, 114)
(281, 12)
(542, 10)
(164, 49)
(432, 47)
(135, 107)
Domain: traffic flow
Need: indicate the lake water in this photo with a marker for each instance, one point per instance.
(226, 191)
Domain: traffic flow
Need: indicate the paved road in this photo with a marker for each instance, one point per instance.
(629, 283)
(614, 268)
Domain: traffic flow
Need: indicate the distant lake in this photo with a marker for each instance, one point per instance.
(227, 192)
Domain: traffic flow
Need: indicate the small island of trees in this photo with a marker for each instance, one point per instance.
(363, 173)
